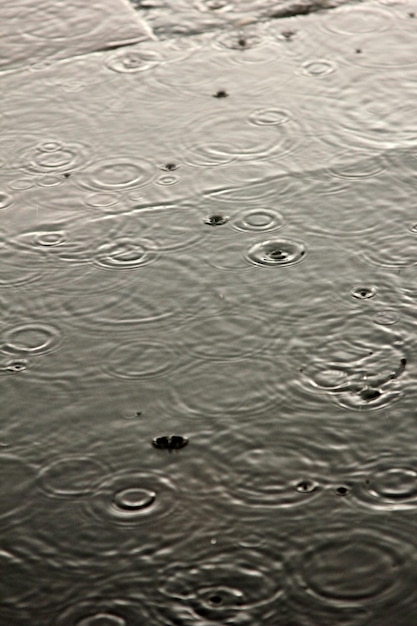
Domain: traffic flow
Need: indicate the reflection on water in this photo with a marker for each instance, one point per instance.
(207, 293)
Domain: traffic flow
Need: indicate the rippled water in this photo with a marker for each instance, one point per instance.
(208, 262)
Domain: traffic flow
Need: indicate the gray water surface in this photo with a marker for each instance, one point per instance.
(215, 240)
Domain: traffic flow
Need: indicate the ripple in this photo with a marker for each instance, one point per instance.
(6, 200)
(42, 240)
(167, 180)
(30, 339)
(362, 165)
(14, 366)
(361, 21)
(129, 499)
(258, 220)
(270, 117)
(106, 201)
(50, 181)
(52, 156)
(219, 139)
(398, 39)
(16, 486)
(276, 252)
(139, 359)
(239, 40)
(21, 584)
(360, 367)
(174, 227)
(117, 173)
(352, 566)
(118, 604)
(133, 60)
(225, 585)
(363, 292)
(386, 317)
(388, 483)
(71, 476)
(223, 388)
(392, 251)
(125, 253)
(318, 67)
(225, 337)
(270, 474)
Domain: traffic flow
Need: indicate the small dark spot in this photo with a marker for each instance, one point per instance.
(221, 93)
(242, 42)
(278, 255)
(216, 599)
(288, 34)
(16, 366)
(412, 14)
(358, 50)
(342, 491)
(138, 413)
(174, 442)
(169, 167)
(67, 174)
(369, 394)
(306, 486)
(216, 220)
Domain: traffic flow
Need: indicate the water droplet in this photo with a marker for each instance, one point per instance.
(364, 293)
(131, 60)
(124, 253)
(14, 366)
(269, 117)
(319, 67)
(71, 477)
(167, 180)
(139, 359)
(276, 252)
(216, 220)
(31, 339)
(306, 486)
(342, 491)
(257, 220)
(132, 498)
(117, 173)
(172, 442)
(38, 160)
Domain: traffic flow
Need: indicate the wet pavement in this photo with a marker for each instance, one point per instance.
(207, 336)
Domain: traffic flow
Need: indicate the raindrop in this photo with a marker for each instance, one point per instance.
(258, 220)
(239, 41)
(71, 476)
(269, 117)
(14, 367)
(172, 442)
(216, 220)
(306, 486)
(117, 173)
(125, 253)
(363, 293)
(31, 339)
(38, 160)
(6, 200)
(319, 67)
(221, 93)
(276, 252)
(386, 318)
(131, 61)
(167, 180)
(133, 498)
(224, 585)
(139, 359)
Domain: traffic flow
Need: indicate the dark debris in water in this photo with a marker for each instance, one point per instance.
(221, 93)
(216, 220)
(172, 442)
